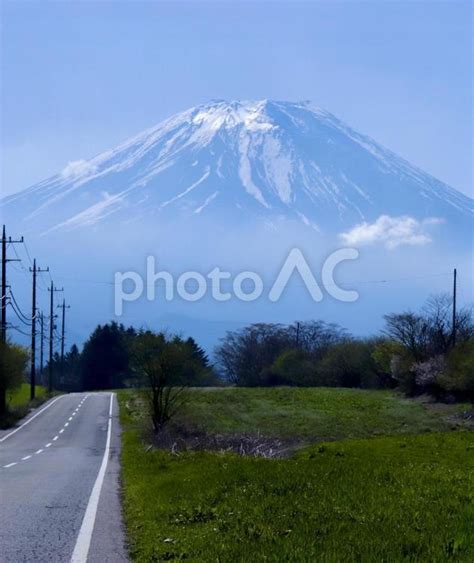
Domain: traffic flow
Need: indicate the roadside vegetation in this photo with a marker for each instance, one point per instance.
(18, 403)
(13, 363)
(19, 398)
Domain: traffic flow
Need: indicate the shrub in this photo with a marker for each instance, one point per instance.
(427, 375)
(458, 377)
(349, 364)
(294, 367)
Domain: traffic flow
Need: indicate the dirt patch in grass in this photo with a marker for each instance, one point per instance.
(456, 416)
(178, 439)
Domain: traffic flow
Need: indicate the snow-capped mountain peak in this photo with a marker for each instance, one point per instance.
(248, 159)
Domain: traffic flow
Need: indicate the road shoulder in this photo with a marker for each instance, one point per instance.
(108, 538)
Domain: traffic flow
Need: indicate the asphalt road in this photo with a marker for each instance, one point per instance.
(59, 488)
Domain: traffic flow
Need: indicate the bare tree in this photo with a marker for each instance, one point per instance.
(411, 330)
(316, 337)
(161, 362)
(429, 333)
(438, 312)
(246, 356)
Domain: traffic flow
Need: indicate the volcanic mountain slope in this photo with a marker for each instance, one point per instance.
(240, 161)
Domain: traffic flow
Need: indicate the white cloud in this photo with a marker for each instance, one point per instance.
(391, 231)
(77, 168)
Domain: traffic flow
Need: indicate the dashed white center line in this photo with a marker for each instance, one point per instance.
(49, 444)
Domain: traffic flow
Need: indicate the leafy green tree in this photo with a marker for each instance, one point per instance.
(105, 357)
(197, 352)
(13, 363)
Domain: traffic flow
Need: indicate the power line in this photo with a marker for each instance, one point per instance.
(27, 252)
(76, 280)
(15, 302)
(3, 301)
(28, 324)
(14, 327)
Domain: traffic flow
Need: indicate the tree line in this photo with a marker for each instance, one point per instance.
(415, 352)
(110, 360)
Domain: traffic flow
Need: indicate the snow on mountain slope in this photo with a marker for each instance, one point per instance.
(243, 161)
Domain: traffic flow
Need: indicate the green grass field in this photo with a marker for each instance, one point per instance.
(303, 415)
(361, 497)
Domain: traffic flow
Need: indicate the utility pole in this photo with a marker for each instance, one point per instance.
(63, 307)
(52, 316)
(41, 344)
(3, 327)
(297, 334)
(4, 280)
(454, 306)
(35, 271)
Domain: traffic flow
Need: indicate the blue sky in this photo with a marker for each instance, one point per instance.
(79, 77)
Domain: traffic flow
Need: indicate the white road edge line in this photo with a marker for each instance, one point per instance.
(83, 541)
(32, 418)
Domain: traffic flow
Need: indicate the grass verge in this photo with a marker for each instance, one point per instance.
(19, 404)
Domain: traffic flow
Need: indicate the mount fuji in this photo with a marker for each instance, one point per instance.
(237, 185)
(245, 161)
